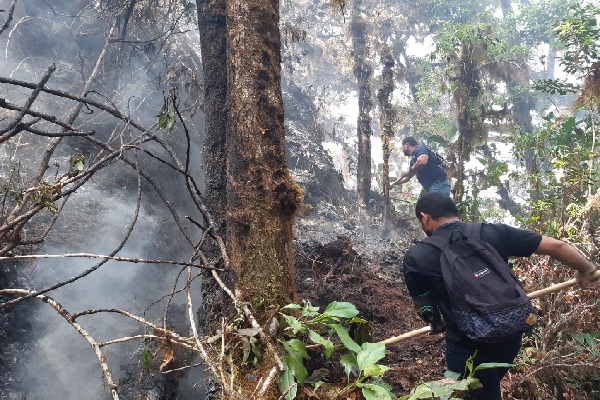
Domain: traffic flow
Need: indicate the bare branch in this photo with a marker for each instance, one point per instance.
(65, 314)
(13, 128)
(125, 259)
(9, 17)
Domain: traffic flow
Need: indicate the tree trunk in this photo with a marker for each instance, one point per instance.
(261, 195)
(363, 72)
(467, 100)
(213, 44)
(386, 121)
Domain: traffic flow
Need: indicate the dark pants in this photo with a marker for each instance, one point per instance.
(502, 352)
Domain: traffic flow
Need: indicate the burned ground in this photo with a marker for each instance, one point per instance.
(338, 259)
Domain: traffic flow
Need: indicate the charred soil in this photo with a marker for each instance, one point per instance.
(342, 255)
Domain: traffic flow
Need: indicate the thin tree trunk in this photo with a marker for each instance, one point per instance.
(386, 121)
(363, 72)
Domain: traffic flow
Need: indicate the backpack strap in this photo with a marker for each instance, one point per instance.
(473, 230)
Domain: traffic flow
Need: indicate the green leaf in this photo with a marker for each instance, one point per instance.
(348, 360)
(373, 391)
(293, 323)
(369, 354)
(492, 365)
(374, 370)
(296, 368)
(345, 338)
(287, 384)
(315, 337)
(341, 309)
(296, 348)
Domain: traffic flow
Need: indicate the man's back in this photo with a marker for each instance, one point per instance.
(432, 172)
(422, 269)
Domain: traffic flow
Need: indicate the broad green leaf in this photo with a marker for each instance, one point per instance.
(296, 347)
(296, 368)
(315, 337)
(466, 384)
(374, 370)
(287, 384)
(369, 354)
(345, 338)
(372, 391)
(341, 309)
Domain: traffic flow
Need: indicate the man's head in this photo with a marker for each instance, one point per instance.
(408, 145)
(434, 209)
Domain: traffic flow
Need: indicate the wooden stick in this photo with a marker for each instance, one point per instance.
(533, 295)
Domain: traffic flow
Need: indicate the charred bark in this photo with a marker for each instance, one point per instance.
(386, 121)
(363, 72)
(262, 198)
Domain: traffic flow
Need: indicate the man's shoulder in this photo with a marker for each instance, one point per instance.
(419, 249)
(421, 149)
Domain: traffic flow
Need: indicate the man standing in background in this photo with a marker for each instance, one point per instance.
(425, 165)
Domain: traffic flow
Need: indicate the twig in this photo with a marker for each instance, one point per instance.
(125, 259)
(65, 314)
(9, 17)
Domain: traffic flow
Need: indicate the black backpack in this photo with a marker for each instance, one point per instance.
(487, 301)
(441, 161)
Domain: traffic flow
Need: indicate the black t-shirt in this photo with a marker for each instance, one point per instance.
(422, 268)
(432, 172)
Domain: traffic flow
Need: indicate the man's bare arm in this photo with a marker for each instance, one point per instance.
(569, 255)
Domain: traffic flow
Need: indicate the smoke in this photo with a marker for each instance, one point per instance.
(54, 361)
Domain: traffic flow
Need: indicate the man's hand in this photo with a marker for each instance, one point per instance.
(585, 278)
(437, 327)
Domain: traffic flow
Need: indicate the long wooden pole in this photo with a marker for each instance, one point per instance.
(533, 295)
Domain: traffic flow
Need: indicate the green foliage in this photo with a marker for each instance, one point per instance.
(589, 342)
(166, 118)
(360, 362)
(76, 164)
(554, 86)
(578, 34)
(44, 194)
(146, 356)
(561, 150)
(452, 387)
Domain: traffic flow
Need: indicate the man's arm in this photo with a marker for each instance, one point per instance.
(406, 176)
(569, 255)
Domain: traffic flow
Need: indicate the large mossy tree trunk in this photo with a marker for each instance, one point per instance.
(262, 198)
(363, 71)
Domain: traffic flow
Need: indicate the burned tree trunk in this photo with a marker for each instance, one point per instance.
(261, 195)
(386, 121)
(213, 42)
(363, 72)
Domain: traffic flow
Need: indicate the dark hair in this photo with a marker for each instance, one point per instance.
(410, 140)
(437, 205)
